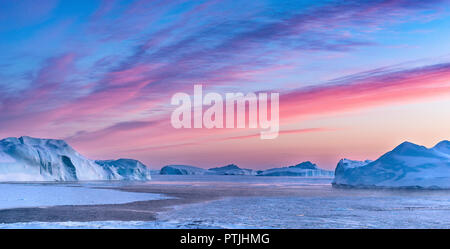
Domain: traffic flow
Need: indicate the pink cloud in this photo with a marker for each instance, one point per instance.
(385, 89)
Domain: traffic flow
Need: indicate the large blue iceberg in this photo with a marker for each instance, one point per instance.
(35, 159)
(407, 166)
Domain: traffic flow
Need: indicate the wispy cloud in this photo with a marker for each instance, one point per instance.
(374, 88)
(108, 75)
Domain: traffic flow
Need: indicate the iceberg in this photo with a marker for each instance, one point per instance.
(232, 169)
(155, 171)
(125, 169)
(35, 159)
(302, 169)
(407, 166)
(184, 170)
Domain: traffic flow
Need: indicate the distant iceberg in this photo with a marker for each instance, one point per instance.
(407, 166)
(303, 169)
(125, 169)
(232, 169)
(306, 169)
(35, 159)
(184, 170)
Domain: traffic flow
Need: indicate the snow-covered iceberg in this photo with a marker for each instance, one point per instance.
(35, 159)
(407, 166)
(125, 169)
(184, 170)
(232, 169)
(303, 169)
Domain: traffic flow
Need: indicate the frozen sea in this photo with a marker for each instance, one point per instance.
(43, 195)
(286, 202)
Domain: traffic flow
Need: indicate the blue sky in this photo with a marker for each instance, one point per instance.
(100, 74)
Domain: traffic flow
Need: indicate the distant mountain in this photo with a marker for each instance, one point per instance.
(407, 166)
(232, 169)
(302, 169)
(35, 159)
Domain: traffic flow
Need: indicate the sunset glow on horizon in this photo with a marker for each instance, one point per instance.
(355, 78)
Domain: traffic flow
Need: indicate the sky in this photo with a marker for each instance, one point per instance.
(355, 78)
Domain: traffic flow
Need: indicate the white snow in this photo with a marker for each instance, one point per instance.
(40, 195)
